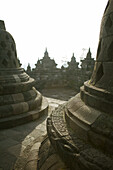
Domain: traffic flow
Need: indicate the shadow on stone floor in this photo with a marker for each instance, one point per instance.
(16, 142)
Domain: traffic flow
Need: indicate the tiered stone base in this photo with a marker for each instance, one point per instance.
(76, 152)
(26, 117)
(82, 132)
(20, 102)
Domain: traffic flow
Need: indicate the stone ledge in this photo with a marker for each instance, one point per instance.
(96, 102)
(74, 151)
(25, 117)
(11, 88)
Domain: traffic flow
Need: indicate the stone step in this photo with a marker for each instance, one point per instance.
(99, 92)
(75, 152)
(25, 117)
(96, 102)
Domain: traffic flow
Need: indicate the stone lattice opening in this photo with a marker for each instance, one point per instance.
(3, 44)
(12, 47)
(108, 23)
(5, 63)
(7, 37)
(9, 53)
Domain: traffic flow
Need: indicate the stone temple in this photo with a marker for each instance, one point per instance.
(20, 102)
(80, 132)
(48, 76)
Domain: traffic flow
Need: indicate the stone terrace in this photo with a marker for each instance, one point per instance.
(17, 143)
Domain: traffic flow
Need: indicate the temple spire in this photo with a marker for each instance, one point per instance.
(73, 58)
(46, 55)
(88, 54)
(2, 25)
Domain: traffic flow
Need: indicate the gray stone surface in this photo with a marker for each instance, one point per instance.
(81, 131)
(75, 143)
(102, 75)
(18, 142)
(19, 145)
(19, 100)
(48, 75)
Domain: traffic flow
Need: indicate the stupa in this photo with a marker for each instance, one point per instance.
(73, 73)
(73, 64)
(87, 64)
(81, 131)
(20, 102)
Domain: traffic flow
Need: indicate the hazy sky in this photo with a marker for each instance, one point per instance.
(63, 26)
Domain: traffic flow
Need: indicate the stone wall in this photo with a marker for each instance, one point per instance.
(47, 75)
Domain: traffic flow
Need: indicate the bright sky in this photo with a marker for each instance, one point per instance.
(63, 26)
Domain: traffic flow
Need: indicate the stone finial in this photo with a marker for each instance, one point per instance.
(73, 59)
(46, 55)
(88, 54)
(2, 25)
(46, 49)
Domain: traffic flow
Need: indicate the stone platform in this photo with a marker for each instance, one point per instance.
(19, 145)
(81, 141)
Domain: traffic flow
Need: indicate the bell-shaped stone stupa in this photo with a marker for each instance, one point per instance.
(81, 132)
(20, 102)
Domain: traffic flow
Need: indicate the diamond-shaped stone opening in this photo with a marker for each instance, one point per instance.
(14, 62)
(3, 44)
(12, 47)
(9, 53)
(5, 63)
(7, 37)
(108, 23)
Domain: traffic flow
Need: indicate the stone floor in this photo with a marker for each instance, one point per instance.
(59, 93)
(17, 143)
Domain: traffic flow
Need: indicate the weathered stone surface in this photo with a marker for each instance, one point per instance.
(50, 160)
(81, 131)
(21, 142)
(104, 66)
(19, 100)
(48, 76)
(73, 148)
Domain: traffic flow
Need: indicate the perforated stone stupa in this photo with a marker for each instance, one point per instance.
(19, 100)
(81, 132)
